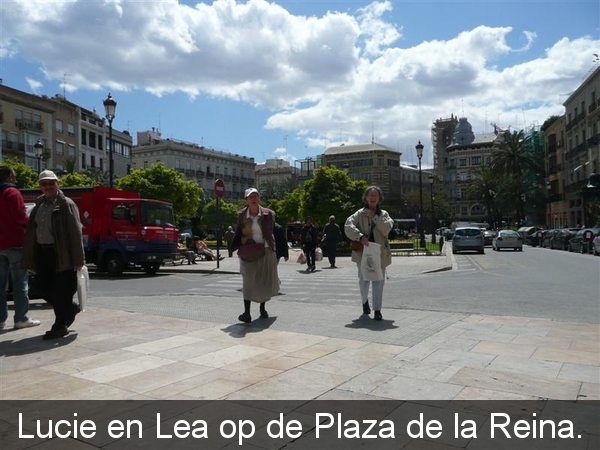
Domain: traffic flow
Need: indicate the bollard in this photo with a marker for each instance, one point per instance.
(441, 243)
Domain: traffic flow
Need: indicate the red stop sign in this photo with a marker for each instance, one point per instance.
(219, 188)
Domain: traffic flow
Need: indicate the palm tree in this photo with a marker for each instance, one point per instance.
(511, 161)
(484, 186)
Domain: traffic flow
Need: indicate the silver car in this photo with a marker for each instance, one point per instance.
(508, 239)
(467, 238)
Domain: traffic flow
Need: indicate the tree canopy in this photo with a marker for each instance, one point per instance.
(159, 183)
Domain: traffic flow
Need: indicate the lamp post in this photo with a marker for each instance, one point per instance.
(39, 151)
(431, 179)
(109, 108)
(419, 148)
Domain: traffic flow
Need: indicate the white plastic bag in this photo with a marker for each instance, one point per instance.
(301, 258)
(318, 254)
(370, 264)
(83, 286)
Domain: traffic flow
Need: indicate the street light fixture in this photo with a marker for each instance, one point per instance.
(431, 179)
(39, 152)
(419, 148)
(109, 108)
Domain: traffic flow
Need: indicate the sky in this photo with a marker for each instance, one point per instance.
(288, 79)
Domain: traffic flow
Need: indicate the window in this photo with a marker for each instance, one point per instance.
(380, 162)
(83, 161)
(463, 176)
(60, 147)
(178, 164)
(475, 160)
(58, 126)
(83, 137)
(145, 164)
(92, 139)
(71, 150)
(462, 162)
(92, 161)
(71, 129)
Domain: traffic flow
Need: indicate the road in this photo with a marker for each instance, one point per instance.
(537, 282)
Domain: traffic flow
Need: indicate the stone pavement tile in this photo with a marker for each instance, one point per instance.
(313, 352)
(447, 373)
(524, 330)
(227, 356)
(502, 348)
(253, 375)
(517, 383)
(59, 386)
(457, 358)
(405, 388)
(75, 365)
(487, 335)
(572, 331)
(418, 352)
(284, 341)
(341, 394)
(99, 392)
(159, 345)
(190, 351)
(157, 377)
(253, 361)
(370, 350)
(112, 343)
(570, 356)
(284, 362)
(114, 371)
(177, 389)
(454, 343)
(340, 343)
(365, 382)
(216, 389)
(411, 369)
(295, 384)
(506, 320)
(334, 363)
(525, 366)
(209, 333)
(542, 341)
(590, 391)
(473, 393)
(587, 345)
(580, 372)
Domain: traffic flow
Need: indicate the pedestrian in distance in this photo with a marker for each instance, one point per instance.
(331, 236)
(282, 249)
(13, 221)
(308, 242)
(53, 248)
(229, 234)
(371, 224)
(258, 266)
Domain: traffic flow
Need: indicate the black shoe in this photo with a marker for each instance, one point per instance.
(56, 333)
(313, 268)
(75, 309)
(264, 314)
(377, 315)
(366, 308)
(246, 318)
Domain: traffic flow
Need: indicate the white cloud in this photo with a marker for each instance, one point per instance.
(316, 74)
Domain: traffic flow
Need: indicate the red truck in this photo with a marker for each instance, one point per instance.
(122, 230)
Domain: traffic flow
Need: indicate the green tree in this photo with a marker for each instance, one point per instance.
(159, 183)
(228, 213)
(330, 192)
(77, 179)
(484, 187)
(26, 177)
(513, 162)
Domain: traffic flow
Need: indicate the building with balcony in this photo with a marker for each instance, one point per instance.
(275, 177)
(196, 162)
(582, 139)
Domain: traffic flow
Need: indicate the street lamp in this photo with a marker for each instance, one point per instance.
(419, 148)
(432, 210)
(39, 152)
(109, 107)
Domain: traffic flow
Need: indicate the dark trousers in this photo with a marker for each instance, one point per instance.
(330, 249)
(57, 288)
(309, 252)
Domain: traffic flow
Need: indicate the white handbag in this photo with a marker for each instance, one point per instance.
(83, 283)
(370, 263)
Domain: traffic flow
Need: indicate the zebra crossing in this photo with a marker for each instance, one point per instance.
(321, 285)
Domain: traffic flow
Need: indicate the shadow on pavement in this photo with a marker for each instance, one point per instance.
(257, 325)
(33, 344)
(366, 322)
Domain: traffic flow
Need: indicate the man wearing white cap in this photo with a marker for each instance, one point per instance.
(54, 249)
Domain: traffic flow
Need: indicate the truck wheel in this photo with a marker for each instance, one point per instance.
(151, 269)
(114, 265)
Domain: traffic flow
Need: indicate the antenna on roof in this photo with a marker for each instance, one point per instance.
(64, 85)
(372, 134)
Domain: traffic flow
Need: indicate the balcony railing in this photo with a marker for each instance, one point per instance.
(29, 125)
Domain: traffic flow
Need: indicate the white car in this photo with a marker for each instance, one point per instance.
(596, 246)
(508, 239)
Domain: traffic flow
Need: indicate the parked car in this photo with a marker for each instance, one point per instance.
(562, 237)
(547, 239)
(467, 238)
(581, 241)
(488, 236)
(596, 246)
(508, 239)
(529, 235)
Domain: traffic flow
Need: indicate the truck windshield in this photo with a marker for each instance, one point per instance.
(157, 214)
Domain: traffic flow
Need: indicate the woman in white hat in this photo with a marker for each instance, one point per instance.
(255, 244)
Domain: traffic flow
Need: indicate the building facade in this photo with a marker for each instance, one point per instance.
(275, 176)
(196, 162)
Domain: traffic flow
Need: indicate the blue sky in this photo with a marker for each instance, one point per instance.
(287, 79)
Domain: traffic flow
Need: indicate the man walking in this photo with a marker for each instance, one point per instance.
(13, 221)
(331, 235)
(53, 247)
(229, 234)
(308, 242)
